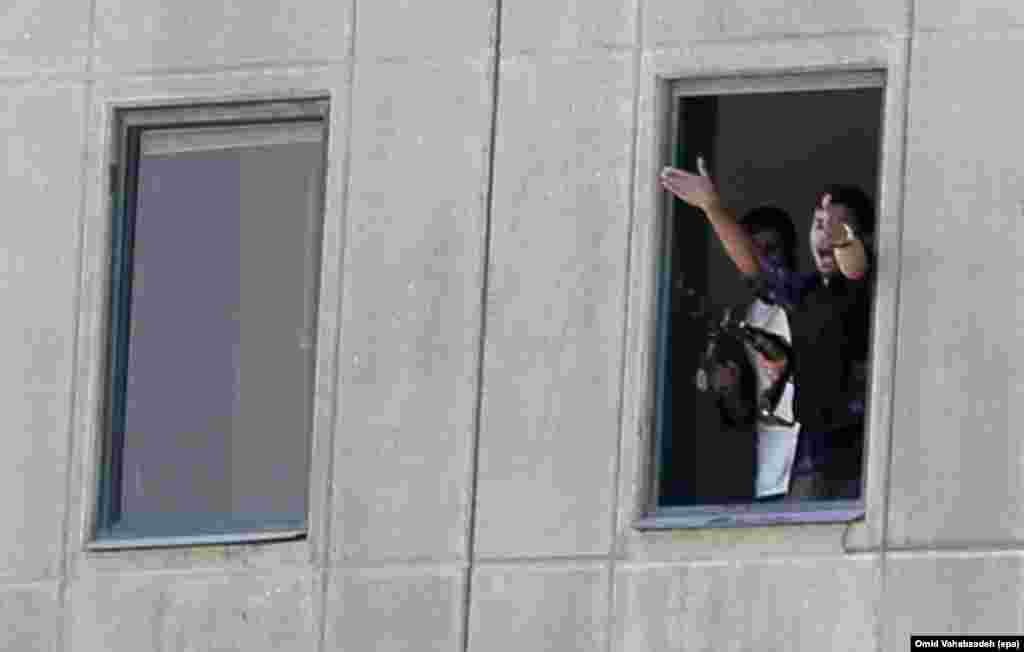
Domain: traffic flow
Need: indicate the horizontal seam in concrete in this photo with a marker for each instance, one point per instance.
(256, 65)
(253, 561)
(44, 78)
(599, 567)
(979, 29)
(969, 547)
(24, 580)
(485, 56)
(286, 569)
(246, 572)
(542, 559)
(563, 57)
(594, 48)
(264, 572)
(592, 561)
(744, 557)
(399, 562)
(763, 562)
(413, 566)
(776, 37)
(53, 582)
(76, 57)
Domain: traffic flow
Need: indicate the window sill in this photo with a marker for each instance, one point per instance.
(126, 543)
(751, 515)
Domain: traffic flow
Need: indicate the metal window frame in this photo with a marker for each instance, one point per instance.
(178, 140)
(130, 123)
(752, 514)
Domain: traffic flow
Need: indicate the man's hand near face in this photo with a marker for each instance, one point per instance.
(847, 248)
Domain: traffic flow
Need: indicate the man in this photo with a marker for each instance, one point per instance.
(829, 312)
(774, 237)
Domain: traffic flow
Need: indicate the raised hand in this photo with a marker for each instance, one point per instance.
(838, 233)
(698, 190)
(848, 250)
(694, 189)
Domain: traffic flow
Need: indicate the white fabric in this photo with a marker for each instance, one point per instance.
(776, 444)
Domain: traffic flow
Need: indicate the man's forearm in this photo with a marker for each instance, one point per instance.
(737, 242)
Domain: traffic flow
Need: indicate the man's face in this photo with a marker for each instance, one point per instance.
(769, 244)
(821, 241)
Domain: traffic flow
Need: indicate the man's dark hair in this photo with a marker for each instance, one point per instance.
(855, 200)
(773, 218)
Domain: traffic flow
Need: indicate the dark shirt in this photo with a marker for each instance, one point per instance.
(830, 324)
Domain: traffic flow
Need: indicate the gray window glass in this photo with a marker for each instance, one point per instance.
(216, 400)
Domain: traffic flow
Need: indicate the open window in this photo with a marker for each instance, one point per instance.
(776, 142)
(215, 259)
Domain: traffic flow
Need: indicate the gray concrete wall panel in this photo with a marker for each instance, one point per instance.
(413, 30)
(228, 613)
(152, 34)
(957, 474)
(411, 313)
(44, 36)
(543, 607)
(741, 543)
(962, 593)
(567, 25)
(28, 617)
(259, 557)
(805, 604)
(669, 23)
(554, 324)
(396, 610)
(990, 14)
(42, 131)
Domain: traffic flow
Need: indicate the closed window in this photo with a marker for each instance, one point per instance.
(212, 322)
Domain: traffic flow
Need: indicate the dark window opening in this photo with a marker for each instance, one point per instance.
(775, 147)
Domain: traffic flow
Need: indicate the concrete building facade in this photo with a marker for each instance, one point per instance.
(480, 441)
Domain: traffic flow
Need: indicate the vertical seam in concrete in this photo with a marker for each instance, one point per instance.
(467, 592)
(880, 611)
(638, 38)
(61, 636)
(346, 181)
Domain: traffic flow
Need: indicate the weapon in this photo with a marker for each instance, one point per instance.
(773, 347)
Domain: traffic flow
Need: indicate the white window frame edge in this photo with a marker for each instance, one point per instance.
(758, 67)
